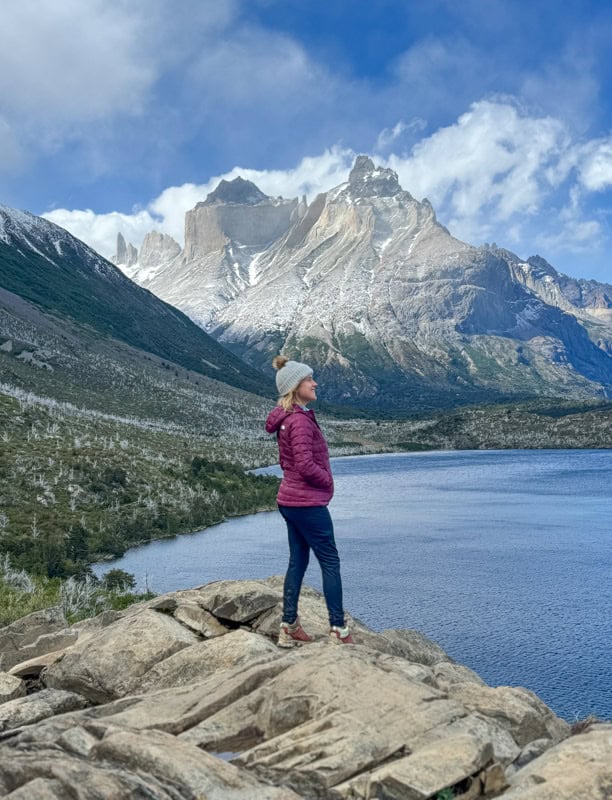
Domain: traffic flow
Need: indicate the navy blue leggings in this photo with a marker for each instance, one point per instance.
(311, 527)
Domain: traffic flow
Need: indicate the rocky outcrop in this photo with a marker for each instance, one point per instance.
(187, 695)
(156, 249)
(34, 635)
(588, 301)
(224, 238)
(10, 687)
(32, 708)
(236, 215)
(579, 768)
(126, 255)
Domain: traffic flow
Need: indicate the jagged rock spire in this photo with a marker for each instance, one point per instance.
(127, 254)
(367, 180)
(120, 256)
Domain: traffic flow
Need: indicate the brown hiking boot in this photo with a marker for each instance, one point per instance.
(292, 635)
(338, 635)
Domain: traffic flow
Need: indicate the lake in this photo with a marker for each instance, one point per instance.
(504, 558)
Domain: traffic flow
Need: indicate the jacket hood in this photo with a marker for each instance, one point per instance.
(275, 419)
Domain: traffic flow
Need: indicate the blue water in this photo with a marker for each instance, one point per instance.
(502, 557)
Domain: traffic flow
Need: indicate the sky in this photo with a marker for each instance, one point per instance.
(120, 115)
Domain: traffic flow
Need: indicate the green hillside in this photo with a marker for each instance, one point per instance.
(61, 275)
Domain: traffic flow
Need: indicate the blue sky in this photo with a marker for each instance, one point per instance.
(118, 115)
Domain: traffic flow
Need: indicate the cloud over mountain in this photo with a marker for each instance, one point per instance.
(492, 175)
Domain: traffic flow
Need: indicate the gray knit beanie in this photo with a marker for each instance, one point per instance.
(289, 374)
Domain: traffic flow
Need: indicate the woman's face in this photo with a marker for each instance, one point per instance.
(307, 391)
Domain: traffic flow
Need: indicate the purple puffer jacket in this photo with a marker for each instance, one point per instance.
(307, 477)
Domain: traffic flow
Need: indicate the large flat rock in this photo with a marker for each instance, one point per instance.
(424, 773)
(210, 657)
(521, 711)
(112, 663)
(237, 601)
(579, 768)
(331, 714)
(183, 765)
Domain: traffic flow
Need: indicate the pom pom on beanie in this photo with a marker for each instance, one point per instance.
(289, 374)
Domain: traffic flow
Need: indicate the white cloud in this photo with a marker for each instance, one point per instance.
(494, 157)
(575, 232)
(100, 230)
(69, 61)
(595, 169)
(253, 65)
(96, 82)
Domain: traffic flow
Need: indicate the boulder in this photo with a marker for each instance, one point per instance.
(414, 646)
(483, 729)
(25, 632)
(93, 624)
(47, 643)
(10, 688)
(528, 753)
(423, 774)
(178, 709)
(238, 601)
(78, 740)
(578, 768)
(518, 710)
(180, 764)
(112, 663)
(199, 620)
(40, 789)
(34, 666)
(416, 672)
(447, 673)
(207, 658)
(35, 707)
(64, 776)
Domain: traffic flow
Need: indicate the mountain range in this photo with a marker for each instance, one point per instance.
(366, 285)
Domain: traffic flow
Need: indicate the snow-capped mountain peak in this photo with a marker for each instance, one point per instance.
(368, 287)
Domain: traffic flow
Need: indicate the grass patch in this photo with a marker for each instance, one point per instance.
(22, 593)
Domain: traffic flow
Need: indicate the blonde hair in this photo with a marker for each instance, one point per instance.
(287, 401)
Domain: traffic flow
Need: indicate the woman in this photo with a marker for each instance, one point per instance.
(306, 489)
